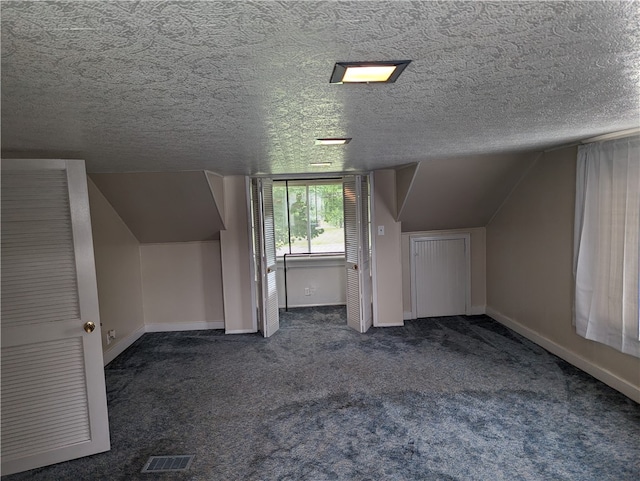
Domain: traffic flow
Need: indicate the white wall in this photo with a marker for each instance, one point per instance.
(387, 288)
(529, 271)
(478, 267)
(239, 306)
(182, 286)
(117, 258)
(325, 277)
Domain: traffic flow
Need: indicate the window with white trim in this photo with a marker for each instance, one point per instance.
(309, 216)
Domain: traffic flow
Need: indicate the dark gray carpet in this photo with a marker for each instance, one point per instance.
(458, 398)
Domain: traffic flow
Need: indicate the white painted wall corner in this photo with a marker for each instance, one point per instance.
(478, 310)
(124, 343)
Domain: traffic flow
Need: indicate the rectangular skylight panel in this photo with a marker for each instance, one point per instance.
(380, 73)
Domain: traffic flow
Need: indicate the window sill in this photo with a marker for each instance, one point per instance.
(304, 261)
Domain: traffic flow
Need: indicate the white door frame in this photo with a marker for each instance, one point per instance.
(372, 253)
(252, 264)
(413, 239)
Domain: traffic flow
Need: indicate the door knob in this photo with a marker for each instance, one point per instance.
(89, 327)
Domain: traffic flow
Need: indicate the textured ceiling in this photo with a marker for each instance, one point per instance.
(242, 87)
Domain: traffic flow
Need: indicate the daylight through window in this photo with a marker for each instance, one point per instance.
(308, 216)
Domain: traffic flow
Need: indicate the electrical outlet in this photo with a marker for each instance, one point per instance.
(111, 335)
(380, 230)
(307, 291)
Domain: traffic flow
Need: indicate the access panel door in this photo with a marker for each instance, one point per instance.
(440, 276)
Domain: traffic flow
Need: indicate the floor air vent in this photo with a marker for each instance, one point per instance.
(159, 464)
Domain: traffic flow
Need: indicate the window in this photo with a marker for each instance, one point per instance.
(308, 216)
(607, 228)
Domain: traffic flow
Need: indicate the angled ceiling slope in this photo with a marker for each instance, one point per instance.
(163, 207)
(405, 176)
(461, 192)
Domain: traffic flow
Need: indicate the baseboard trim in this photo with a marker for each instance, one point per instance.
(240, 331)
(183, 326)
(113, 352)
(391, 324)
(314, 305)
(607, 377)
(124, 343)
(478, 310)
(474, 311)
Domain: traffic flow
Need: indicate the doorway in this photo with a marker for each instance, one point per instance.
(321, 238)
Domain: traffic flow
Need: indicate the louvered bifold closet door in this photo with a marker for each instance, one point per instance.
(355, 191)
(53, 396)
(265, 247)
(271, 292)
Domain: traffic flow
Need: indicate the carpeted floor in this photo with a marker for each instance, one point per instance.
(457, 398)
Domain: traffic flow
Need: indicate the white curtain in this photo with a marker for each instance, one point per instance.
(607, 228)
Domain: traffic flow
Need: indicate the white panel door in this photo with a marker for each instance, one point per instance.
(357, 252)
(265, 248)
(440, 276)
(54, 405)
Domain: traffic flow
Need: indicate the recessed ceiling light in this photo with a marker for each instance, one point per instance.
(334, 141)
(320, 164)
(74, 29)
(368, 72)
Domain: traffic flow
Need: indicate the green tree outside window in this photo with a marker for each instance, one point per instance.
(315, 214)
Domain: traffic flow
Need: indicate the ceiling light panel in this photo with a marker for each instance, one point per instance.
(333, 141)
(368, 72)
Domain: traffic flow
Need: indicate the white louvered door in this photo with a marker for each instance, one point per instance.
(53, 392)
(357, 252)
(440, 276)
(265, 246)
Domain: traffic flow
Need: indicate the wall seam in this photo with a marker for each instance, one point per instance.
(515, 186)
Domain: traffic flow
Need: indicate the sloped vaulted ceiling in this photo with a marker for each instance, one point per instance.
(461, 192)
(242, 87)
(163, 206)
